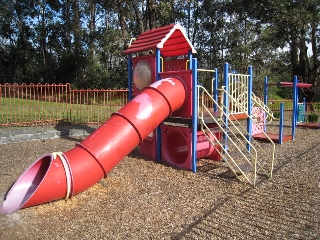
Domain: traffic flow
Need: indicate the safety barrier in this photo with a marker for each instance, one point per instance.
(310, 108)
(44, 104)
(238, 89)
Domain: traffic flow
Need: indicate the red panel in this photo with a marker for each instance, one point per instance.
(152, 63)
(148, 147)
(149, 39)
(174, 65)
(186, 76)
(176, 146)
(170, 39)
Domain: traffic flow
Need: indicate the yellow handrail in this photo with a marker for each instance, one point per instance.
(220, 123)
(260, 128)
(254, 156)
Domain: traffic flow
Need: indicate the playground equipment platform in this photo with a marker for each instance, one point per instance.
(309, 125)
(162, 92)
(273, 136)
(207, 118)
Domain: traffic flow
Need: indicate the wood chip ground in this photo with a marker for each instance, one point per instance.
(143, 199)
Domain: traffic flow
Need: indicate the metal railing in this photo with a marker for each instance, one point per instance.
(310, 108)
(238, 89)
(234, 148)
(43, 104)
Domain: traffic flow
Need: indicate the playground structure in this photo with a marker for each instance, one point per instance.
(165, 119)
(298, 109)
(266, 117)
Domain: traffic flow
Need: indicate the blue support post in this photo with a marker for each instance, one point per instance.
(304, 109)
(265, 91)
(190, 60)
(194, 113)
(281, 122)
(295, 106)
(215, 88)
(226, 101)
(158, 129)
(249, 122)
(265, 100)
(158, 64)
(129, 76)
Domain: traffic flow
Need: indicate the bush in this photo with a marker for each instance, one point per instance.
(313, 117)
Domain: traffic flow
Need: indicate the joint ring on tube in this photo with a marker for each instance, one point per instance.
(84, 148)
(65, 164)
(135, 128)
(169, 105)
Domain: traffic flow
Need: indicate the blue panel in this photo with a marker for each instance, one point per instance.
(249, 121)
(194, 113)
(129, 76)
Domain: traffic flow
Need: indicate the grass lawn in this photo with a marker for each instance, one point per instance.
(15, 110)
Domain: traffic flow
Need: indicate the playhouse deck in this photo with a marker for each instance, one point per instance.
(273, 136)
(207, 118)
(309, 125)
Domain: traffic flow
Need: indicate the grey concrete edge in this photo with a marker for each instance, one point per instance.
(16, 135)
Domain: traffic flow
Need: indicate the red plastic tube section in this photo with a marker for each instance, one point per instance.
(61, 175)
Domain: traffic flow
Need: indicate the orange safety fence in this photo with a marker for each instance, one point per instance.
(43, 104)
(310, 108)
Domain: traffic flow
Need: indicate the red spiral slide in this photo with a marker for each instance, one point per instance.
(62, 175)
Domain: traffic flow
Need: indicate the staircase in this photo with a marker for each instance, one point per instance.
(245, 157)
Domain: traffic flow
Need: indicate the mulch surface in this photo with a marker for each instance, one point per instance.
(143, 199)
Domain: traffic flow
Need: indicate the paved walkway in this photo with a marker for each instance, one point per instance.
(22, 134)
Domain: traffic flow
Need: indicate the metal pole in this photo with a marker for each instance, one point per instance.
(265, 100)
(215, 90)
(158, 129)
(226, 101)
(194, 113)
(281, 122)
(249, 122)
(295, 105)
(129, 76)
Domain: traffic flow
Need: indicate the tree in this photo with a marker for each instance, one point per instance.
(292, 25)
(82, 42)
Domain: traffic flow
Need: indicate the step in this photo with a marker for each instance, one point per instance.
(247, 173)
(210, 120)
(244, 165)
(228, 142)
(246, 168)
(236, 154)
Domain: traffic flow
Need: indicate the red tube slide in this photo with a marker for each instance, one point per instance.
(62, 175)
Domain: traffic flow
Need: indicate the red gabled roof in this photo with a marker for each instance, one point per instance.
(170, 39)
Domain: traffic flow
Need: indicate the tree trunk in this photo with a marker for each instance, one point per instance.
(294, 57)
(43, 42)
(122, 20)
(135, 5)
(150, 18)
(92, 28)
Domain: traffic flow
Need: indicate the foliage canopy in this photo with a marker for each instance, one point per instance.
(82, 42)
